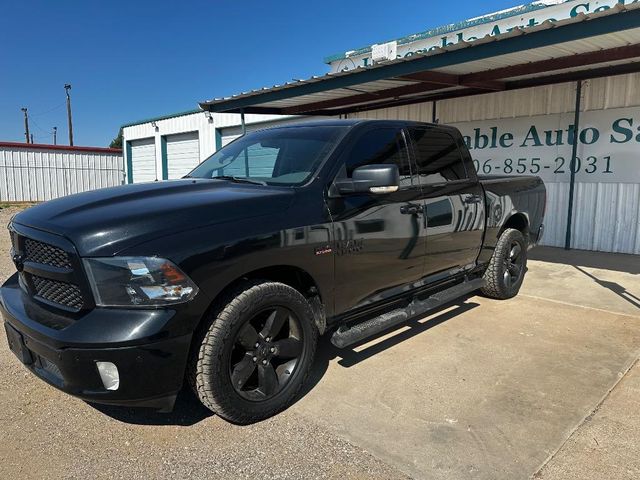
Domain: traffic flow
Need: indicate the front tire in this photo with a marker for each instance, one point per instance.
(256, 353)
(507, 267)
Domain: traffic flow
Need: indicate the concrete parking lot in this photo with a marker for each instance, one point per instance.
(542, 385)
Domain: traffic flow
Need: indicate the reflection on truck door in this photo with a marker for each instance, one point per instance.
(453, 202)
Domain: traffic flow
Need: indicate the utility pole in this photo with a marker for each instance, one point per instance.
(32, 138)
(67, 87)
(26, 123)
(55, 135)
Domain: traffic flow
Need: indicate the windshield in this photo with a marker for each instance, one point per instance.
(277, 156)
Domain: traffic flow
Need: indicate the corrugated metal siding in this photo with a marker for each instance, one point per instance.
(606, 215)
(40, 174)
(419, 112)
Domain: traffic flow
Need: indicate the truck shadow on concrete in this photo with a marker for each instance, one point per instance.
(353, 355)
(189, 411)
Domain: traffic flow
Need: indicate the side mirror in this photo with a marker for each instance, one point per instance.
(377, 178)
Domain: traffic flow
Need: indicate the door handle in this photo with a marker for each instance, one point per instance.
(410, 209)
(472, 199)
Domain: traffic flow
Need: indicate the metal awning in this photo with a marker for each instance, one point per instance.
(586, 46)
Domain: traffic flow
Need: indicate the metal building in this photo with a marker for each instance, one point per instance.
(34, 173)
(170, 146)
(551, 88)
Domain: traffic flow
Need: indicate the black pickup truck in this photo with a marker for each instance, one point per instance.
(226, 278)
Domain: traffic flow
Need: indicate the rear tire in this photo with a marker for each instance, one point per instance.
(256, 352)
(507, 267)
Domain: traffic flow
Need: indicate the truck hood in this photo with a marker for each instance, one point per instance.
(106, 221)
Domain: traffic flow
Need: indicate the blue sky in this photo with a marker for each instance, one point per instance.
(133, 60)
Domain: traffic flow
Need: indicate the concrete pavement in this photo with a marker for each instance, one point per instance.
(607, 444)
(487, 389)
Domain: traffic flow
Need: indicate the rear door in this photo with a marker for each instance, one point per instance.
(453, 201)
(379, 243)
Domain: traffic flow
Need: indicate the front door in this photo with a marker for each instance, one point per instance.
(379, 241)
(453, 202)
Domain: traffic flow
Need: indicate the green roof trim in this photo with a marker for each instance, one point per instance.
(163, 117)
(452, 27)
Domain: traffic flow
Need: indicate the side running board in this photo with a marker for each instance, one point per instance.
(348, 335)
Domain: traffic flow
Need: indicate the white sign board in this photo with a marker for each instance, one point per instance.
(608, 148)
(524, 16)
(386, 51)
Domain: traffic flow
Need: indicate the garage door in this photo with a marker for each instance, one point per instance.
(228, 138)
(183, 154)
(143, 160)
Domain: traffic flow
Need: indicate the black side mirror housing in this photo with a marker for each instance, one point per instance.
(376, 178)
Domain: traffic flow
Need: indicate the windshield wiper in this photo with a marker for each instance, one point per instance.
(240, 180)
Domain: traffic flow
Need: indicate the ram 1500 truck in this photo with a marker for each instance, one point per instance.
(226, 278)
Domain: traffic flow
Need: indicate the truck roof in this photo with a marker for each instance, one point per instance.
(335, 122)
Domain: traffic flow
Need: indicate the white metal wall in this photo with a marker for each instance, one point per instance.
(37, 173)
(606, 215)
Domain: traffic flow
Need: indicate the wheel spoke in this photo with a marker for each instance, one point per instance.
(247, 337)
(514, 269)
(275, 322)
(267, 379)
(515, 252)
(507, 278)
(243, 371)
(288, 348)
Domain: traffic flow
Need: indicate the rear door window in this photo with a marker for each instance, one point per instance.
(437, 156)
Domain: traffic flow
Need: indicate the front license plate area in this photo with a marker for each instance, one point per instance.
(17, 346)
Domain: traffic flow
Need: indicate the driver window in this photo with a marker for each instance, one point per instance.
(381, 146)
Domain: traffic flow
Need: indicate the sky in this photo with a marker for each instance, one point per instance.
(131, 60)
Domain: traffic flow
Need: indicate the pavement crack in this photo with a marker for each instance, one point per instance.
(579, 306)
(589, 416)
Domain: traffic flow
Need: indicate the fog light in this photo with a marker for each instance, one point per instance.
(109, 375)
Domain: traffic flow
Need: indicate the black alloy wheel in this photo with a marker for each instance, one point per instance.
(507, 267)
(254, 352)
(513, 264)
(265, 354)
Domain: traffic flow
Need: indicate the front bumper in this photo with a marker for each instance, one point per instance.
(151, 362)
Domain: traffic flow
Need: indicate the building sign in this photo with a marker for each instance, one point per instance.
(524, 16)
(608, 146)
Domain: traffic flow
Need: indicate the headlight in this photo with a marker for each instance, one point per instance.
(137, 281)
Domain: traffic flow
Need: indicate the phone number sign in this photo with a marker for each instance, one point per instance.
(608, 146)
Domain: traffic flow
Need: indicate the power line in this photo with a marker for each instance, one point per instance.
(37, 126)
(50, 110)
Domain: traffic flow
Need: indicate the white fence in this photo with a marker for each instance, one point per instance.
(33, 173)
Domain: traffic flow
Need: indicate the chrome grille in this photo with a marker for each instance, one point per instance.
(45, 254)
(62, 293)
